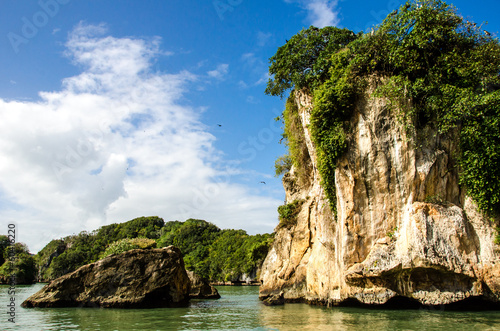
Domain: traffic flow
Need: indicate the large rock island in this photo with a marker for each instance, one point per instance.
(386, 240)
(134, 279)
(393, 192)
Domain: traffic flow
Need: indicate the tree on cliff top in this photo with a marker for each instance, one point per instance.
(438, 69)
(304, 59)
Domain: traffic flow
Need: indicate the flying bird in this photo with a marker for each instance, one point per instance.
(219, 125)
(263, 182)
(487, 33)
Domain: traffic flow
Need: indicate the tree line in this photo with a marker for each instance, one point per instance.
(216, 254)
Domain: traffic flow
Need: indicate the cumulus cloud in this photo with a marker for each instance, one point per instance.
(320, 13)
(220, 72)
(114, 143)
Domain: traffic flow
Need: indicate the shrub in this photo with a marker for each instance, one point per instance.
(282, 165)
(127, 244)
(288, 214)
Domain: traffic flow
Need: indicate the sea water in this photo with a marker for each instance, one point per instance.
(238, 309)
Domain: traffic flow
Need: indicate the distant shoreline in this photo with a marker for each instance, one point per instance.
(234, 284)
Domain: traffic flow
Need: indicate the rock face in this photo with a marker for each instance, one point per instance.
(274, 300)
(200, 288)
(404, 227)
(133, 279)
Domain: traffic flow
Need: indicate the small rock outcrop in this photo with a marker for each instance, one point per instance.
(200, 288)
(404, 228)
(274, 300)
(133, 279)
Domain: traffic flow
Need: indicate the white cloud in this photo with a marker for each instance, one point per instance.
(263, 38)
(242, 85)
(264, 79)
(257, 68)
(113, 144)
(323, 13)
(250, 60)
(220, 72)
(320, 13)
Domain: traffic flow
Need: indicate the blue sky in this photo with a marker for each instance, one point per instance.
(114, 109)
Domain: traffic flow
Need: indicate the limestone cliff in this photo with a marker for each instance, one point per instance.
(404, 227)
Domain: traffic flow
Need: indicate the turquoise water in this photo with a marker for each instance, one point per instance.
(238, 309)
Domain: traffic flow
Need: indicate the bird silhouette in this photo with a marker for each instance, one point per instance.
(263, 182)
(219, 125)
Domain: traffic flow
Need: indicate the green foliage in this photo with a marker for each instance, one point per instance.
(227, 256)
(193, 238)
(435, 199)
(282, 165)
(19, 265)
(392, 233)
(288, 213)
(334, 104)
(235, 253)
(68, 254)
(127, 244)
(303, 60)
(451, 72)
(4, 243)
(218, 255)
(480, 159)
(295, 141)
(435, 68)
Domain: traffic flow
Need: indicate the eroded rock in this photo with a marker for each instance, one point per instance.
(133, 279)
(274, 300)
(200, 288)
(404, 227)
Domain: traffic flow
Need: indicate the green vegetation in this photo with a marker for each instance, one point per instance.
(193, 238)
(303, 61)
(288, 213)
(434, 68)
(219, 255)
(392, 233)
(294, 138)
(235, 254)
(282, 165)
(435, 199)
(65, 255)
(4, 243)
(18, 266)
(127, 244)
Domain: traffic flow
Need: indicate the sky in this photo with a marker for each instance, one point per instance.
(116, 109)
